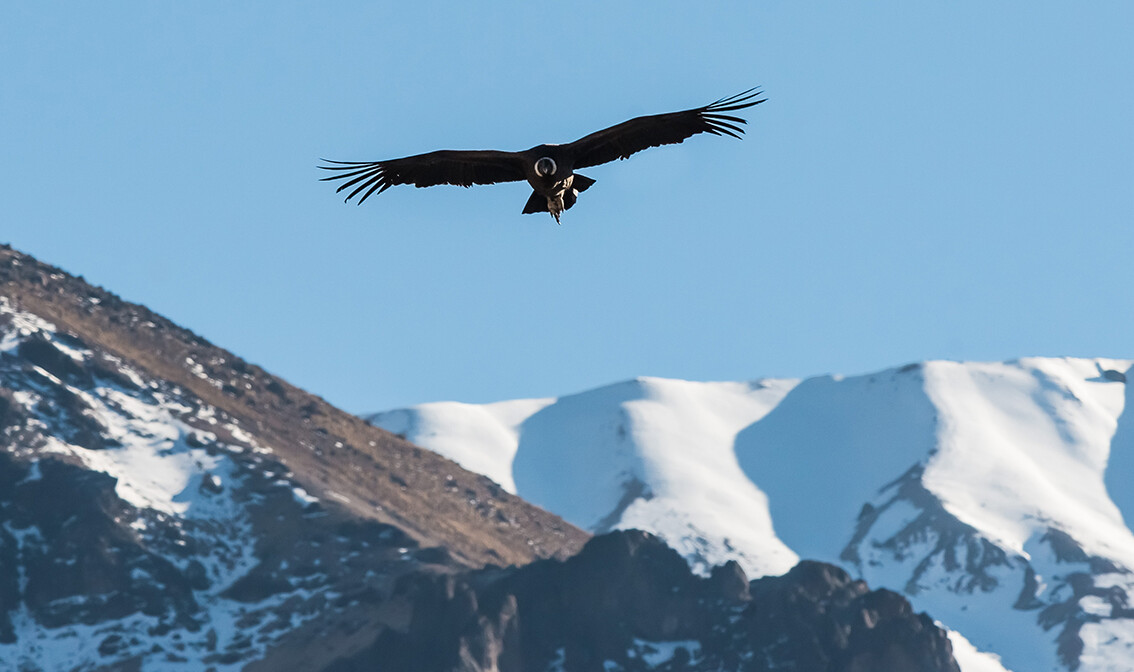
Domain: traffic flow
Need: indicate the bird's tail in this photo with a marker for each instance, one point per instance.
(581, 183)
(537, 203)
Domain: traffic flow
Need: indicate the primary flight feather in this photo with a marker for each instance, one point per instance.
(549, 169)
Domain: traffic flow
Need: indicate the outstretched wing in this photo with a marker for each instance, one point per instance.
(629, 137)
(464, 168)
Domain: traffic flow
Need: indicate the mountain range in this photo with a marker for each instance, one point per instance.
(166, 505)
(992, 495)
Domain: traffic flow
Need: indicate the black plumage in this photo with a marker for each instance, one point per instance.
(550, 169)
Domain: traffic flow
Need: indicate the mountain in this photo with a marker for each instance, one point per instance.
(992, 495)
(165, 505)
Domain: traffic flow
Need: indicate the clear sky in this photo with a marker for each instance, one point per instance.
(927, 180)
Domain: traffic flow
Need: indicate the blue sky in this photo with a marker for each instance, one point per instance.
(926, 180)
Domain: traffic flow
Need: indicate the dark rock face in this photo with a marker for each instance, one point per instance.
(629, 602)
(78, 565)
(820, 619)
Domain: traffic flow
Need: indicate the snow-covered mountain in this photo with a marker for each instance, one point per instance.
(992, 494)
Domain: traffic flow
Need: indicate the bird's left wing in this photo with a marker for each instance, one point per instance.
(629, 137)
(464, 168)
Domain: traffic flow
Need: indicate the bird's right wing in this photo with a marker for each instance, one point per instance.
(463, 168)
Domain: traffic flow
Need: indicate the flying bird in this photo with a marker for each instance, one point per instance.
(550, 169)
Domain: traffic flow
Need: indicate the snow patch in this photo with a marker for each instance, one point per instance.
(301, 496)
(481, 438)
(659, 653)
(970, 659)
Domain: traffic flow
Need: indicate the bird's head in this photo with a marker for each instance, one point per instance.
(545, 167)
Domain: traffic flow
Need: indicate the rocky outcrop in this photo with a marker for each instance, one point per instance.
(629, 602)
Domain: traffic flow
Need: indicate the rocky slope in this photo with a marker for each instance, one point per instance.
(372, 473)
(165, 505)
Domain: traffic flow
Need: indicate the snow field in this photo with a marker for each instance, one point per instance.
(941, 480)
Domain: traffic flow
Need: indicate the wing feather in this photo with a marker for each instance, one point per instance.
(630, 137)
(462, 168)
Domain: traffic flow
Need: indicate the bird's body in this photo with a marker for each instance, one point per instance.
(555, 186)
(549, 169)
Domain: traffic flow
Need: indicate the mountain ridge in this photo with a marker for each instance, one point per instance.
(280, 411)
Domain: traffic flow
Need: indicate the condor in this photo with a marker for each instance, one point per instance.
(550, 169)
